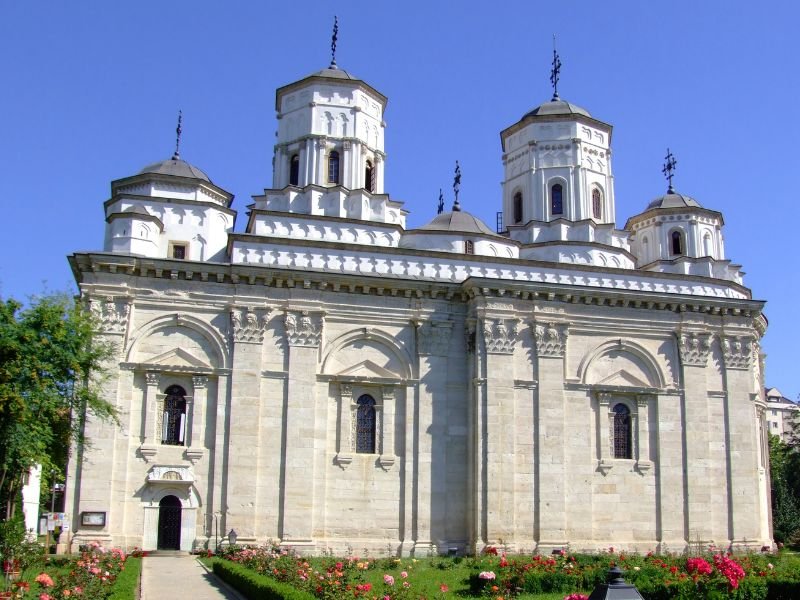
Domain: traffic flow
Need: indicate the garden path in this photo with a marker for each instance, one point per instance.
(172, 577)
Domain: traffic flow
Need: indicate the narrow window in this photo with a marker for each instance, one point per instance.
(518, 207)
(333, 167)
(173, 427)
(707, 244)
(622, 432)
(179, 251)
(294, 170)
(469, 247)
(597, 204)
(365, 425)
(677, 243)
(556, 200)
(369, 177)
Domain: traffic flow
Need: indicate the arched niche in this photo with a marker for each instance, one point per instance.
(621, 363)
(193, 337)
(371, 349)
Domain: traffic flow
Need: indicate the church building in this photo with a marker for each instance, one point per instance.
(328, 379)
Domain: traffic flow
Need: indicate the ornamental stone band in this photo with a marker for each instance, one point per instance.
(551, 339)
(303, 328)
(694, 348)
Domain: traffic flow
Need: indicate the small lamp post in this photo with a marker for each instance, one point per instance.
(616, 588)
(232, 535)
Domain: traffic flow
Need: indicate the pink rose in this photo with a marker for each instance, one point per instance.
(44, 579)
(403, 574)
(388, 580)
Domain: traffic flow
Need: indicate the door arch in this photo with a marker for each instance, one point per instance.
(169, 523)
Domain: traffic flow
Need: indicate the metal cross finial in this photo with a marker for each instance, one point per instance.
(441, 202)
(334, 38)
(457, 186)
(555, 71)
(669, 170)
(177, 154)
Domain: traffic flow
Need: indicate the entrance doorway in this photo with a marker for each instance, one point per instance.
(169, 523)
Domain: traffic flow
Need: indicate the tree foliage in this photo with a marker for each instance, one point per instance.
(51, 359)
(784, 462)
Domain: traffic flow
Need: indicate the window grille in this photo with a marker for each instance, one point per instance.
(365, 425)
(622, 432)
(333, 167)
(173, 425)
(556, 199)
(597, 204)
(469, 247)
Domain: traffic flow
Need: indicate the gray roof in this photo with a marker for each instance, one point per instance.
(557, 107)
(177, 167)
(137, 209)
(458, 221)
(674, 200)
(334, 73)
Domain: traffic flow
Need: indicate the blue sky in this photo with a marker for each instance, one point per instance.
(91, 91)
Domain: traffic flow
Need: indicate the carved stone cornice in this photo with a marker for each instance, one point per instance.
(433, 337)
(737, 351)
(551, 339)
(303, 328)
(153, 378)
(694, 348)
(500, 335)
(248, 325)
(199, 381)
(111, 314)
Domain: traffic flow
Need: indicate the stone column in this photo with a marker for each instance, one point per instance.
(195, 427)
(742, 425)
(433, 342)
(387, 449)
(694, 349)
(151, 439)
(643, 462)
(219, 457)
(499, 337)
(244, 421)
(303, 336)
(551, 344)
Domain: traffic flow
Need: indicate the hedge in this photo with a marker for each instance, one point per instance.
(254, 585)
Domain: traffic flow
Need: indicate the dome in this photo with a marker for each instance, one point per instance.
(673, 199)
(177, 167)
(458, 221)
(557, 107)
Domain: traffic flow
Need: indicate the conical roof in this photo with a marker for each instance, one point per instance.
(458, 221)
(177, 167)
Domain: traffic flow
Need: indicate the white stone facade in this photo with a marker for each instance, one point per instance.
(345, 382)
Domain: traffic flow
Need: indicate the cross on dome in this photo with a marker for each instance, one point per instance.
(669, 170)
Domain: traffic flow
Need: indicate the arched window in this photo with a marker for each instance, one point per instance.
(365, 425)
(645, 249)
(173, 426)
(622, 432)
(676, 243)
(333, 167)
(557, 199)
(597, 204)
(294, 170)
(369, 177)
(518, 207)
(469, 247)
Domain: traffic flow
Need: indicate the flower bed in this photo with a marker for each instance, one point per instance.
(494, 575)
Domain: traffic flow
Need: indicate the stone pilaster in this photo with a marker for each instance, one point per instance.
(303, 337)
(742, 425)
(195, 424)
(694, 348)
(643, 462)
(433, 340)
(248, 326)
(551, 345)
(499, 339)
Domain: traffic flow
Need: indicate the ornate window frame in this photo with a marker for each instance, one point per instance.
(383, 396)
(638, 406)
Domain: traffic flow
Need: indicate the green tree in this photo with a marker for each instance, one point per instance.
(51, 359)
(783, 462)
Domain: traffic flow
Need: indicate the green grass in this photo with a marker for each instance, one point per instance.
(127, 584)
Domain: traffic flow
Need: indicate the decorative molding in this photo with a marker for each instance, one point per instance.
(170, 474)
(148, 452)
(551, 339)
(193, 455)
(694, 348)
(111, 315)
(199, 381)
(153, 378)
(303, 328)
(737, 351)
(500, 335)
(469, 335)
(604, 466)
(248, 325)
(434, 337)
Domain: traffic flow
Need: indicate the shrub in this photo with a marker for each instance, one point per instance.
(255, 586)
